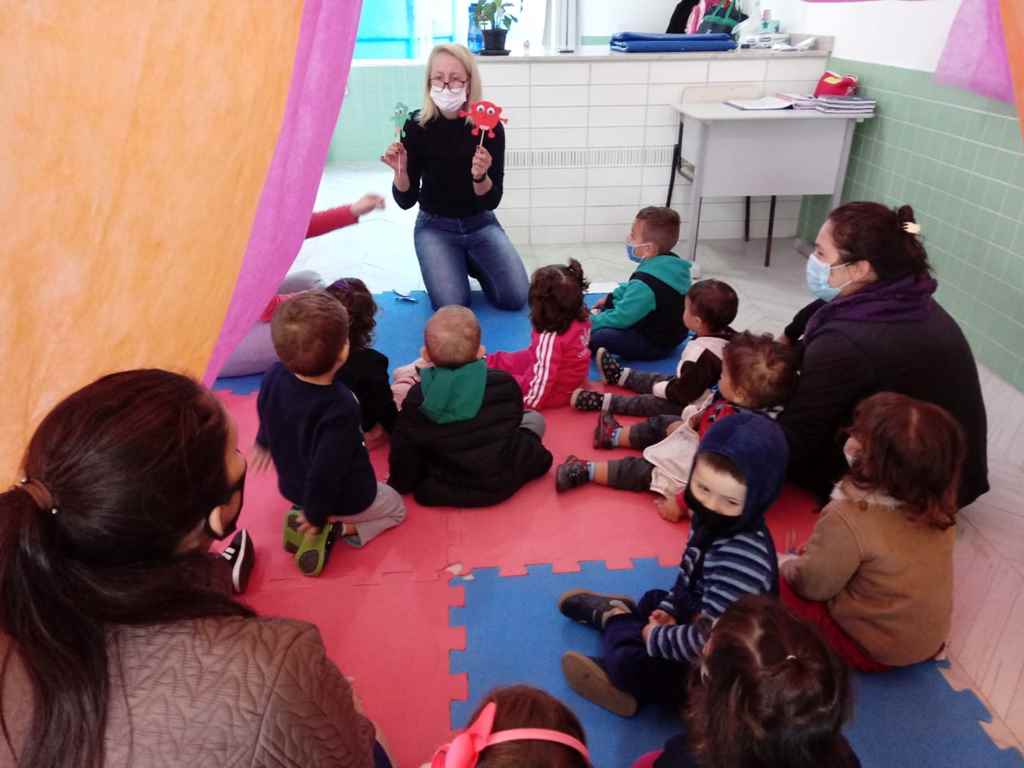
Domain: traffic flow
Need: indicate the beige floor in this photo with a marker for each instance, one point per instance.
(987, 646)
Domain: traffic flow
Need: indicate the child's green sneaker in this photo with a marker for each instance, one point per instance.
(292, 537)
(312, 554)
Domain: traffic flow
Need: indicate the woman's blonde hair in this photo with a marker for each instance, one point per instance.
(429, 111)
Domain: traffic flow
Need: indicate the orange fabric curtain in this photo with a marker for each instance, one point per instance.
(137, 137)
(1013, 26)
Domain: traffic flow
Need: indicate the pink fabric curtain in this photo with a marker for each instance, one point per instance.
(323, 59)
(975, 56)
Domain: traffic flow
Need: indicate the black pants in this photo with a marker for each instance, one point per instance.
(651, 431)
(632, 473)
(630, 668)
(644, 403)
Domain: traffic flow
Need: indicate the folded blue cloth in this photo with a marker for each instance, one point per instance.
(672, 46)
(622, 36)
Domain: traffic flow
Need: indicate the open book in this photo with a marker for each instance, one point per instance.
(766, 102)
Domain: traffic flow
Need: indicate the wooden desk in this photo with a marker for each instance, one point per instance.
(735, 152)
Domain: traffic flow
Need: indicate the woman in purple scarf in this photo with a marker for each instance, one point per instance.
(876, 327)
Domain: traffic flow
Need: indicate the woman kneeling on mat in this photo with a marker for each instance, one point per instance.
(457, 179)
(115, 615)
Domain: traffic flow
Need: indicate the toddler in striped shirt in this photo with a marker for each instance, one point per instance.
(648, 647)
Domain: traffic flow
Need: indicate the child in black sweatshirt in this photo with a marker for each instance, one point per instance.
(310, 428)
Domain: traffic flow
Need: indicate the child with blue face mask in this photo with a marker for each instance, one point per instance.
(642, 318)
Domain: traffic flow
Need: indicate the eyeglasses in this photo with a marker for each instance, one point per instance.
(453, 83)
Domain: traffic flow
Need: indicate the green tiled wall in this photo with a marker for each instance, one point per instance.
(958, 159)
(364, 127)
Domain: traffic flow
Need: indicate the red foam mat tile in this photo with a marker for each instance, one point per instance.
(392, 640)
(418, 547)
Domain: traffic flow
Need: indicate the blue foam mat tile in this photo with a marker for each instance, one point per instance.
(514, 634)
(912, 717)
(399, 335)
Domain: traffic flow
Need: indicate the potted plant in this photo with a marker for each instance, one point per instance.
(494, 19)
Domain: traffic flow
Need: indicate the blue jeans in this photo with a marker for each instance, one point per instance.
(450, 250)
(627, 343)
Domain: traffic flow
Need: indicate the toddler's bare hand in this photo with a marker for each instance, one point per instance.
(259, 458)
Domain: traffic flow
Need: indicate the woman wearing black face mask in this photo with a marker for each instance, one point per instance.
(110, 603)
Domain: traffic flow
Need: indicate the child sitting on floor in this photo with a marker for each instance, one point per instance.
(648, 648)
(518, 726)
(710, 307)
(366, 370)
(769, 693)
(876, 576)
(641, 319)
(309, 427)
(758, 374)
(558, 358)
(462, 438)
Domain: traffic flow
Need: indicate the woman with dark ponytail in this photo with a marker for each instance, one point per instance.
(876, 327)
(119, 639)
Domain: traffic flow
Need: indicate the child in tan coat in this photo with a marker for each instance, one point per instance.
(876, 576)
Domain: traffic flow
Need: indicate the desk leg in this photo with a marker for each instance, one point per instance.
(696, 190)
(844, 161)
(771, 229)
(746, 221)
(677, 158)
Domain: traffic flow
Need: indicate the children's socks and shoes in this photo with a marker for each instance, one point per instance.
(241, 557)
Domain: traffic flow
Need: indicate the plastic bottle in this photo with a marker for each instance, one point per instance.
(475, 38)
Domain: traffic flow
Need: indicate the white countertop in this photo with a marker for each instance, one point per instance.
(602, 53)
(717, 110)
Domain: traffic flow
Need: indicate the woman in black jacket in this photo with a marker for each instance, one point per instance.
(876, 328)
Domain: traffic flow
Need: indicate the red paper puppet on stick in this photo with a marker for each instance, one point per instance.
(485, 116)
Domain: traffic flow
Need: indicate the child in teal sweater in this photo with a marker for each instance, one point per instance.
(642, 319)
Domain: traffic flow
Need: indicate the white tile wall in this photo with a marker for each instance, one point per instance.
(514, 217)
(661, 136)
(616, 116)
(558, 117)
(556, 235)
(573, 196)
(541, 178)
(611, 95)
(503, 74)
(794, 69)
(556, 216)
(612, 177)
(613, 114)
(509, 96)
(558, 95)
(553, 138)
(619, 72)
(679, 71)
(559, 73)
(736, 71)
(515, 198)
(611, 214)
(597, 196)
(615, 137)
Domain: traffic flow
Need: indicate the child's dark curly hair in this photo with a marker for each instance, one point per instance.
(556, 297)
(353, 293)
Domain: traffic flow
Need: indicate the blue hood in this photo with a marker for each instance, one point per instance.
(756, 445)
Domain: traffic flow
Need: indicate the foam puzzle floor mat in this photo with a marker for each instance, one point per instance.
(399, 334)
(383, 610)
(514, 633)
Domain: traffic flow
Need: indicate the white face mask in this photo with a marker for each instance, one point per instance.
(448, 100)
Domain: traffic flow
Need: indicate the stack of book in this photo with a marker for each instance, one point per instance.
(836, 105)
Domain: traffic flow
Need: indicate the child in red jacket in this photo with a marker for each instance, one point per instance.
(558, 358)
